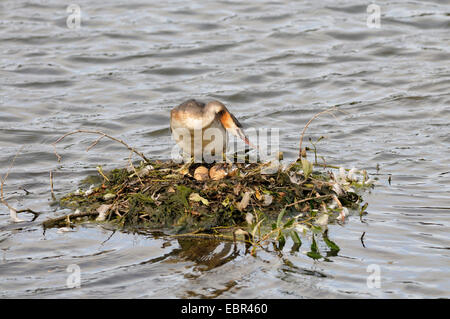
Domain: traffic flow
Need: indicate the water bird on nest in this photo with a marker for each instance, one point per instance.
(201, 129)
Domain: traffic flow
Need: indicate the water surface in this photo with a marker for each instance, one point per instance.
(274, 64)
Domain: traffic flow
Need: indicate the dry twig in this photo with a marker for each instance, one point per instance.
(331, 109)
(51, 186)
(102, 135)
(134, 168)
(55, 221)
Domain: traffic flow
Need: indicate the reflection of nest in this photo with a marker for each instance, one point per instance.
(209, 252)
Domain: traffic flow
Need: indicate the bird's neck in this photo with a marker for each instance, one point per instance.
(208, 116)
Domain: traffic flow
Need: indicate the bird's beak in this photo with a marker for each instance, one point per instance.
(234, 127)
(240, 133)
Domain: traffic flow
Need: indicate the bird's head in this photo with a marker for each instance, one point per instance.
(228, 120)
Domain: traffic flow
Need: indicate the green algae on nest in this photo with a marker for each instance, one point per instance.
(165, 195)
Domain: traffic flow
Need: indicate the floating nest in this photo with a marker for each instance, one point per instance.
(256, 200)
(263, 202)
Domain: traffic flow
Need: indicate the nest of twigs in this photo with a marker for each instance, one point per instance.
(200, 198)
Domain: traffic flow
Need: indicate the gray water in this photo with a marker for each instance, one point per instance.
(274, 64)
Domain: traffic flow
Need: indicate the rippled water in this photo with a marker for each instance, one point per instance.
(274, 64)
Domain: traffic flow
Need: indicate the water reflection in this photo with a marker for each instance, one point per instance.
(210, 253)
